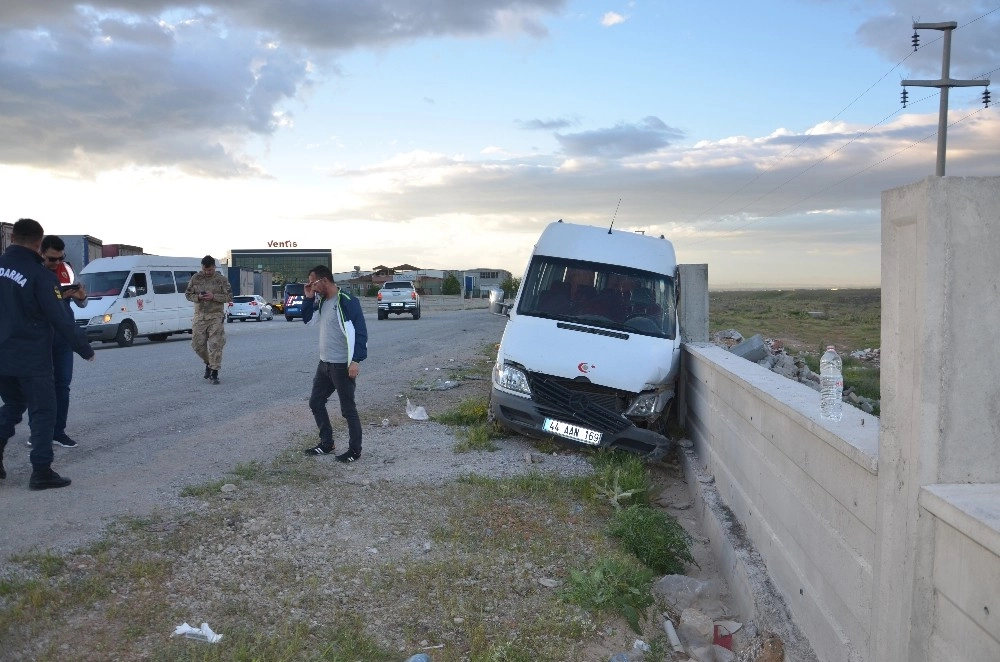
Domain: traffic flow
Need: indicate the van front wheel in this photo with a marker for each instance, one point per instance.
(126, 334)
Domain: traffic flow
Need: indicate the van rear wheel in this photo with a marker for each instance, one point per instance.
(126, 334)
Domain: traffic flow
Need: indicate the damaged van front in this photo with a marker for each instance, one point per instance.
(591, 353)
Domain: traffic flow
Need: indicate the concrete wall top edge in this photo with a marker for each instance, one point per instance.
(973, 509)
(856, 435)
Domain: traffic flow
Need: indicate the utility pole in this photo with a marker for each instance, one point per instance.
(944, 84)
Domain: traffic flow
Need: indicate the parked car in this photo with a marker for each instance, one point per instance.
(397, 297)
(294, 294)
(278, 307)
(252, 307)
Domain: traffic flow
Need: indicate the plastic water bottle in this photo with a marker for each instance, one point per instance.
(831, 385)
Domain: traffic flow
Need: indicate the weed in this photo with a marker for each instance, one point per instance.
(656, 538)
(479, 437)
(620, 478)
(615, 584)
(468, 412)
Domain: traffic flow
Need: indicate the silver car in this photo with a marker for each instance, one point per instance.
(251, 307)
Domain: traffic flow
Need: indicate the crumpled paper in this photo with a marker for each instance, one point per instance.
(204, 633)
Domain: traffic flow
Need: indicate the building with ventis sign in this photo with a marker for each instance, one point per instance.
(287, 265)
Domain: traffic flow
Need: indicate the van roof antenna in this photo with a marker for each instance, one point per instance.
(615, 216)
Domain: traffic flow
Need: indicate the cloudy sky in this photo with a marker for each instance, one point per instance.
(758, 136)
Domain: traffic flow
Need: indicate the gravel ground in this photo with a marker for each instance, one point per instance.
(271, 540)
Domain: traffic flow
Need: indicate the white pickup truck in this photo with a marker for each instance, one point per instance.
(397, 297)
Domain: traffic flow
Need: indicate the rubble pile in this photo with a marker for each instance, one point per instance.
(771, 354)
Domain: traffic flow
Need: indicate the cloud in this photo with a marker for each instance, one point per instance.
(975, 49)
(648, 135)
(612, 18)
(547, 125)
(106, 85)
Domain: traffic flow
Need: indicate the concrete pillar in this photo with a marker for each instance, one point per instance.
(692, 310)
(940, 384)
(693, 306)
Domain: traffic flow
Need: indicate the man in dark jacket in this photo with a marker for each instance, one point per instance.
(31, 308)
(343, 345)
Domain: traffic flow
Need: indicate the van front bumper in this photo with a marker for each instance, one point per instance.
(100, 332)
(527, 416)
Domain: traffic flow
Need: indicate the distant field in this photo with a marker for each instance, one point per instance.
(805, 320)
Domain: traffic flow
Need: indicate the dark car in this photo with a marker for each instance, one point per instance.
(294, 293)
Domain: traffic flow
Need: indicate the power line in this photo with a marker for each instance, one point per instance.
(806, 138)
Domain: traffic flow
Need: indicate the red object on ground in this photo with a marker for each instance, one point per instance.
(723, 638)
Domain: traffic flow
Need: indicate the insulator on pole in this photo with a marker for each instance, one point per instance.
(904, 97)
(986, 97)
(916, 40)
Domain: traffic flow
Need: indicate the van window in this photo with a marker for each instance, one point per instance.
(295, 289)
(601, 295)
(163, 282)
(139, 283)
(104, 283)
(183, 278)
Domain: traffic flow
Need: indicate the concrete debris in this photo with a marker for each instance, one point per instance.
(696, 629)
(727, 338)
(770, 353)
(682, 592)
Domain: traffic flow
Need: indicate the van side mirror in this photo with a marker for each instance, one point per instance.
(130, 291)
(497, 304)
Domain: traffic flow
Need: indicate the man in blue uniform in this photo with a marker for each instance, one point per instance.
(31, 308)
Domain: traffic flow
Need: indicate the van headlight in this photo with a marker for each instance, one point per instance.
(649, 403)
(511, 379)
(101, 319)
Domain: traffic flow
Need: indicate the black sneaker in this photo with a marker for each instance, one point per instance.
(46, 479)
(208, 371)
(318, 450)
(64, 441)
(214, 377)
(349, 456)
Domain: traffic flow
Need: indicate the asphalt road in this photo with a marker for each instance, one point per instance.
(148, 424)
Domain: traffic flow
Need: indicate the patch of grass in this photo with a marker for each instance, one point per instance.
(620, 478)
(656, 538)
(468, 412)
(848, 318)
(479, 437)
(204, 489)
(476, 432)
(615, 583)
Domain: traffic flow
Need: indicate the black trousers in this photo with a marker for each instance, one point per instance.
(330, 378)
(37, 395)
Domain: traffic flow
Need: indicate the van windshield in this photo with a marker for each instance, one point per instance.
(104, 283)
(606, 296)
(295, 289)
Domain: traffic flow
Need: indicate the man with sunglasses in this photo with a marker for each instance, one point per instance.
(54, 254)
(31, 309)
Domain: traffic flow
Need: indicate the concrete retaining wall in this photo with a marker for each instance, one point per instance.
(882, 537)
(804, 492)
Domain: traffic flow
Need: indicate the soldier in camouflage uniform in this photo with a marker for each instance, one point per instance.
(210, 292)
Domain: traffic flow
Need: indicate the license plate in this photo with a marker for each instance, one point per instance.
(396, 305)
(571, 431)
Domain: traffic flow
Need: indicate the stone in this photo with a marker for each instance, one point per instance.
(753, 349)
(696, 628)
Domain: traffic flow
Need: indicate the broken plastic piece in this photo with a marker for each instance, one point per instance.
(204, 633)
(416, 412)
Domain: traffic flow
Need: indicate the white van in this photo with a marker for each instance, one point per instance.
(591, 353)
(136, 295)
